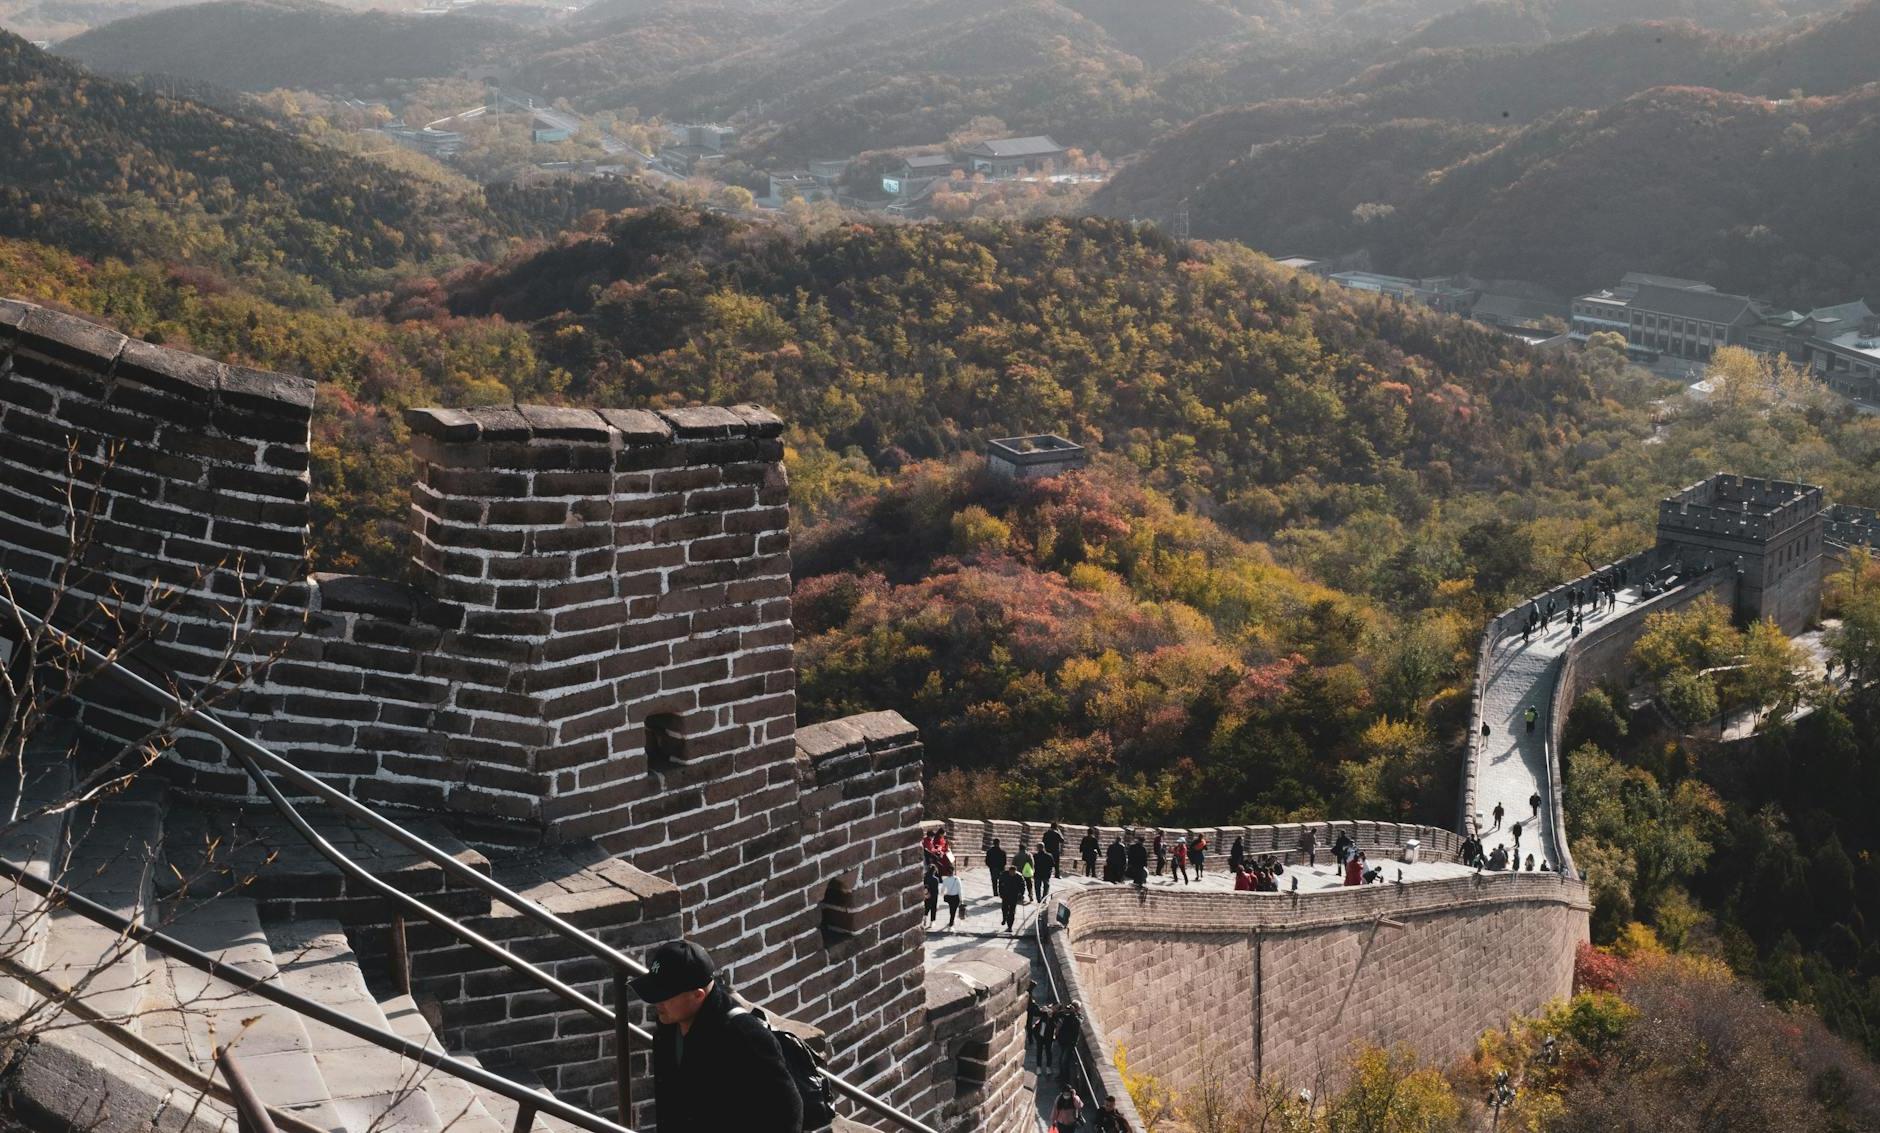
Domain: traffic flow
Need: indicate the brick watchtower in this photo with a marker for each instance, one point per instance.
(1770, 529)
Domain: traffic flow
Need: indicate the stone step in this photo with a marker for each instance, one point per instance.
(372, 1088)
(291, 881)
(33, 842)
(109, 856)
(191, 1013)
(504, 1110)
(459, 1105)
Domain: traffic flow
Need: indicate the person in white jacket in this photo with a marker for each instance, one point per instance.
(950, 892)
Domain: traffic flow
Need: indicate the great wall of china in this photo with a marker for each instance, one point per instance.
(585, 691)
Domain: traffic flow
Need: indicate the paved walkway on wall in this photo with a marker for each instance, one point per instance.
(1511, 763)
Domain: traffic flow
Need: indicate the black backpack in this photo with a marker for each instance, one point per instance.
(806, 1070)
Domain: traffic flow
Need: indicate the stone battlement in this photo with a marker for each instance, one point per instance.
(1741, 507)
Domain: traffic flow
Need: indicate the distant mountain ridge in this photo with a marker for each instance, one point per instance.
(264, 44)
(1416, 164)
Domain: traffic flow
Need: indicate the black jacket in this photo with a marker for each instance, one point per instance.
(732, 1076)
(1054, 844)
(1011, 888)
(1089, 847)
(1138, 856)
(995, 859)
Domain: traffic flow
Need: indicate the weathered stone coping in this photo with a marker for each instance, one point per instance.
(1113, 909)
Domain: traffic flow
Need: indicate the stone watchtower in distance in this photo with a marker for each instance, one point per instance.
(1771, 530)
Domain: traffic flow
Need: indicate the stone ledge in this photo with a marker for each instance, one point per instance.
(382, 598)
(1236, 914)
(867, 731)
(632, 427)
(971, 977)
(89, 345)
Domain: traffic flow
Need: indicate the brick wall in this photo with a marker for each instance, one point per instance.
(165, 485)
(973, 1077)
(1284, 985)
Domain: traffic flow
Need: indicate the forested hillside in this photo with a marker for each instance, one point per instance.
(1245, 386)
(103, 167)
(1478, 160)
(264, 44)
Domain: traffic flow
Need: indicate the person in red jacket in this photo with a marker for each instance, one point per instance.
(1354, 869)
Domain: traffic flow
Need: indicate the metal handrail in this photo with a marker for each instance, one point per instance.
(399, 897)
(250, 752)
(131, 929)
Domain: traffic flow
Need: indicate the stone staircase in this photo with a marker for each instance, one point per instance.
(114, 852)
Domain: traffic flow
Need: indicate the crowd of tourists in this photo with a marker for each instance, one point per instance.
(1023, 875)
(1599, 593)
(1474, 851)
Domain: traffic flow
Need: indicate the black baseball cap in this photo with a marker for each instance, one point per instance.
(674, 968)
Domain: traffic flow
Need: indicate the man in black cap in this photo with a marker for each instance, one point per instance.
(703, 1046)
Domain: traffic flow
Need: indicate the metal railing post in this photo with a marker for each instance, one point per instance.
(623, 1047)
(251, 1115)
(400, 956)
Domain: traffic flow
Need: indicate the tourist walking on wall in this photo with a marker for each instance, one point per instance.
(995, 864)
(1178, 865)
(702, 1043)
(1138, 862)
(1070, 1031)
(1161, 854)
(1516, 831)
(1088, 847)
(1011, 892)
(1532, 714)
(1022, 860)
(1341, 849)
(1109, 1118)
(1534, 801)
(1028, 876)
(1198, 852)
(1498, 812)
(1309, 846)
(1067, 1113)
(950, 889)
(1054, 845)
(1047, 1038)
(1116, 862)
(930, 881)
(1237, 854)
(1043, 862)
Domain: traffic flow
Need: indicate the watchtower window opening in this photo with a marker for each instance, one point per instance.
(838, 912)
(665, 742)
